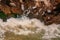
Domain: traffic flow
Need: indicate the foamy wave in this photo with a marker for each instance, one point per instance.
(24, 24)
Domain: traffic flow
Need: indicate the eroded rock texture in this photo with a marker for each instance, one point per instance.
(47, 11)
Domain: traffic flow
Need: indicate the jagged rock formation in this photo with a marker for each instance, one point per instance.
(44, 10)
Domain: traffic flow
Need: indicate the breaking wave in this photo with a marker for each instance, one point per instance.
(24, 26)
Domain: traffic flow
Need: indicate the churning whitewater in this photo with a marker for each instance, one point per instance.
(21, 26)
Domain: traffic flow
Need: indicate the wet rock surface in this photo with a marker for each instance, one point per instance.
(33, 9)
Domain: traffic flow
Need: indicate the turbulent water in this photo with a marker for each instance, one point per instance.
(24, 24)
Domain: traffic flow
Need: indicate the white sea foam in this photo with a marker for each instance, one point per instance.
(21, 25)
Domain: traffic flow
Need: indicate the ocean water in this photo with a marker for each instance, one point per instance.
(25, 26)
